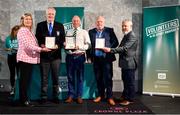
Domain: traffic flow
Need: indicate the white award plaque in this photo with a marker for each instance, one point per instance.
(70, 42)
(50, 42)
(100, 43)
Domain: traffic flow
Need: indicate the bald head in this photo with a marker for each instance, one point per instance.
(100, 21)
(76, 21)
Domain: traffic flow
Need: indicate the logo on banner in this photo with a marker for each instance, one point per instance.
(63, 83)
(162, 28)
(68, 26)
(161, 75)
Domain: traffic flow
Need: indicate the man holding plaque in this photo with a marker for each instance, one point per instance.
(127, 61)
(102, 62)
(77, 42)
(50, 34)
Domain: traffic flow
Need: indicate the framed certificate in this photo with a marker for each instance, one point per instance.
(100, 43)
(50, 42)
(70, 42)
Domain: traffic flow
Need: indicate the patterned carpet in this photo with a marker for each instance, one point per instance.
(88, 107)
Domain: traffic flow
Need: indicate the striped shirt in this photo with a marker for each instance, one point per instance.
(28, 50)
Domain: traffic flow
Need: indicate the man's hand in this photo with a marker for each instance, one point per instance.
(106, 49)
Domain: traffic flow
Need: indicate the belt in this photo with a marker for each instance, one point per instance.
(77, 54)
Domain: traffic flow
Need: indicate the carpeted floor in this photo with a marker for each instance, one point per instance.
(88, 107)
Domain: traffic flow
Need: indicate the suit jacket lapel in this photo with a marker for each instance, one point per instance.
(94, 36)
(46, 28)
(53, 28)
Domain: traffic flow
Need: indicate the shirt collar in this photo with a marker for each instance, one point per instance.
(98, 30)
(51, 23)
(127, 32)
(77, 28)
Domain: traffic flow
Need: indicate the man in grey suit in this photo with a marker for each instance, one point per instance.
(127, 61)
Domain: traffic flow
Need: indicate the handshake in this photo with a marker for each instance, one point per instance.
(105, 49)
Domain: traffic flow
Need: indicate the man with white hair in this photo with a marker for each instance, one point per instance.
(102, 62)
(50, 61)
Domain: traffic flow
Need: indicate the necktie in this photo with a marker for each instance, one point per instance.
(74, 33)
(50, 28)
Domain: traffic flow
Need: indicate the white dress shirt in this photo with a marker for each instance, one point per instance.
(82, 40)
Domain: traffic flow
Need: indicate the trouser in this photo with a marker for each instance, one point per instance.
(52, 66)
(13, 68)
(75, 69)
(103, 73)
(25, 70)
(128, 77)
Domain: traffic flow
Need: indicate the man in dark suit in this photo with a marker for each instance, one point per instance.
(50, 61)
(102, 62)
(127, 61)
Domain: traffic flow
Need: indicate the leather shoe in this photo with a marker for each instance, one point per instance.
(79, 100)
(125, 102)
(111, 101)
(97, 100)
(69, 100)
(27, 104)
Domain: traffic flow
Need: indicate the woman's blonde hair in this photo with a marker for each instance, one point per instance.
(26, 15)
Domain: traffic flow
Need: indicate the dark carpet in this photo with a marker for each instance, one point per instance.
(88, 107)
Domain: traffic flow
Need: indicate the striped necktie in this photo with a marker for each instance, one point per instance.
(74, 33)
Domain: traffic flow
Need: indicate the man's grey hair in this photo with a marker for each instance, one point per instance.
(129, 21)
(50, 8)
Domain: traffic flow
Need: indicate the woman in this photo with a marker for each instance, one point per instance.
(27, 55)
(11, 45)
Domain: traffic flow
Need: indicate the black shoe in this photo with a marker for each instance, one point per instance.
(28, 104)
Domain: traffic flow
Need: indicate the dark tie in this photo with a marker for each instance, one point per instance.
(74, 33)
(50, 28)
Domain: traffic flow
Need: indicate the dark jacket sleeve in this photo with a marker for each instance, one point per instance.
(61, 39)
(130, 40)
(113, 40)
(39, 35)
(89, 52)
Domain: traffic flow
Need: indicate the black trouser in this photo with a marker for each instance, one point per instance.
(13, 68)
(103, 73)
(128, 77)
(25, 70)
(46, 67)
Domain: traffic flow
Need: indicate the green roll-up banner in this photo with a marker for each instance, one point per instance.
(161, 49)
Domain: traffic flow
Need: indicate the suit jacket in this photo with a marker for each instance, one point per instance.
(57, 32)
(127, 51)
(110, 41)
